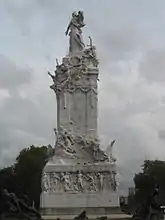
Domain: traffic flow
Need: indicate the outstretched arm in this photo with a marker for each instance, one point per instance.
(67, 30)
(51, 75)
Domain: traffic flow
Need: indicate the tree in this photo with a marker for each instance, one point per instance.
(6, 178)
(153, 172)
(28, 169)
(24, 177)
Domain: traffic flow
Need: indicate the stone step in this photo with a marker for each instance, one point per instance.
(91, 217)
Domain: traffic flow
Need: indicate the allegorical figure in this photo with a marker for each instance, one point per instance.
(101, 180)
(77, 22)
(80, 180)
(109, 151)
(45, 182)
(65, 178)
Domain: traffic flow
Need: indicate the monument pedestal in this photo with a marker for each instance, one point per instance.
(73, 204)
(90, 187)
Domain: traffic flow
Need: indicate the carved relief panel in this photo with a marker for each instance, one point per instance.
(78, 182)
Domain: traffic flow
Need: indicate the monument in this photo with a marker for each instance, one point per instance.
(80, 175)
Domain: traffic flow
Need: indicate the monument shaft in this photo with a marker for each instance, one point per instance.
(77, 109)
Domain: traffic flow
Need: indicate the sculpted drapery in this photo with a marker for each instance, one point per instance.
(75, 33)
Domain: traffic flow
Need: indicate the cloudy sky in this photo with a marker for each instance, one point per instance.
(129, 36)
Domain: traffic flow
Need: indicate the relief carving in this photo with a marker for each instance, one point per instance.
(46, 182)
(101, 178)
(54, 182)
(78, 181)
(114, 183)
(66, 182)
(91, 182)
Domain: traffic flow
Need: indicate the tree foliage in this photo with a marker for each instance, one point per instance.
(24, 177)
(7, 177)
(153, 173)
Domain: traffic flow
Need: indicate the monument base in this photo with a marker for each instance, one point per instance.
(76, 202)
(95, 192)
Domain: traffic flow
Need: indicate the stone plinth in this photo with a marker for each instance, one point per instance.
(85, 189)
(90, 217)
(79, 200)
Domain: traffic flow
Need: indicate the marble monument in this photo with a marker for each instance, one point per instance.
(80, 175)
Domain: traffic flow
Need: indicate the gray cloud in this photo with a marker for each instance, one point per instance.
(161, 134)
(22, 122)
(11, 76)
(122, 42)
(152, 65)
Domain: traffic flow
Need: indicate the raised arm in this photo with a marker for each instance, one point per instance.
(53, 77)
(67, 30)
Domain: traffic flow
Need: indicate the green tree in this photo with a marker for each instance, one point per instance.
(7, 177)
(24, 177)
(28, 170)
(153, 172)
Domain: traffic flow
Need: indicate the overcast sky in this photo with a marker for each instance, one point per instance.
(129, 36)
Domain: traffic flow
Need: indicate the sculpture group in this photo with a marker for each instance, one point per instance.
(72, 76)
(67, 142)
(71, 72)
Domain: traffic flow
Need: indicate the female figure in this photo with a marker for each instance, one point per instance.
(76, 43)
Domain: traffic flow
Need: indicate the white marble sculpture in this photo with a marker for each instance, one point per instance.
(80, 181)
(54, 181)
(109, 151)
(83, 173)
(101, 180)
(46, 182)
(66, 182)
(75, 86)
(75, 34)
(91, 182)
